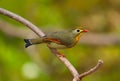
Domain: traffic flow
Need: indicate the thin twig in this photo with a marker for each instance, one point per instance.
(82, 75)
(100, 62)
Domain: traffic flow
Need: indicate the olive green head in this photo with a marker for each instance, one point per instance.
(78, 31)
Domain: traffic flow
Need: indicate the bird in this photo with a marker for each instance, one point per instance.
(58, 39)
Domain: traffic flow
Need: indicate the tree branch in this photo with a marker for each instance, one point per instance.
(64, 60)
(23, 21)
(101, 39)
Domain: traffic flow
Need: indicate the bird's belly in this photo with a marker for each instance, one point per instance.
(56, 46)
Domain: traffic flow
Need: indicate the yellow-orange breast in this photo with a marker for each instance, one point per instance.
(77, 39)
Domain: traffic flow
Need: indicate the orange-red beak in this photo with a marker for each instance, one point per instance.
(85, 30)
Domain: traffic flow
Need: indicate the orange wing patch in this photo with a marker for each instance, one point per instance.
(52, 40)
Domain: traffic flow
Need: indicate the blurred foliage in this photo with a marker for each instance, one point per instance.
(100, 16)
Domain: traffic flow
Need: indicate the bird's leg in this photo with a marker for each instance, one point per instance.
(56, 52)
(60, 54)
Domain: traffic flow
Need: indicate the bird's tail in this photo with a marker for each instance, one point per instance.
(27, 43)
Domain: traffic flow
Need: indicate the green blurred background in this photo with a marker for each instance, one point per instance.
(37, 63)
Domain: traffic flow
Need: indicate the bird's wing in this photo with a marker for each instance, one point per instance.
(52, 40)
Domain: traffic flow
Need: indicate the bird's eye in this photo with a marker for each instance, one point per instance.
(78, 30)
